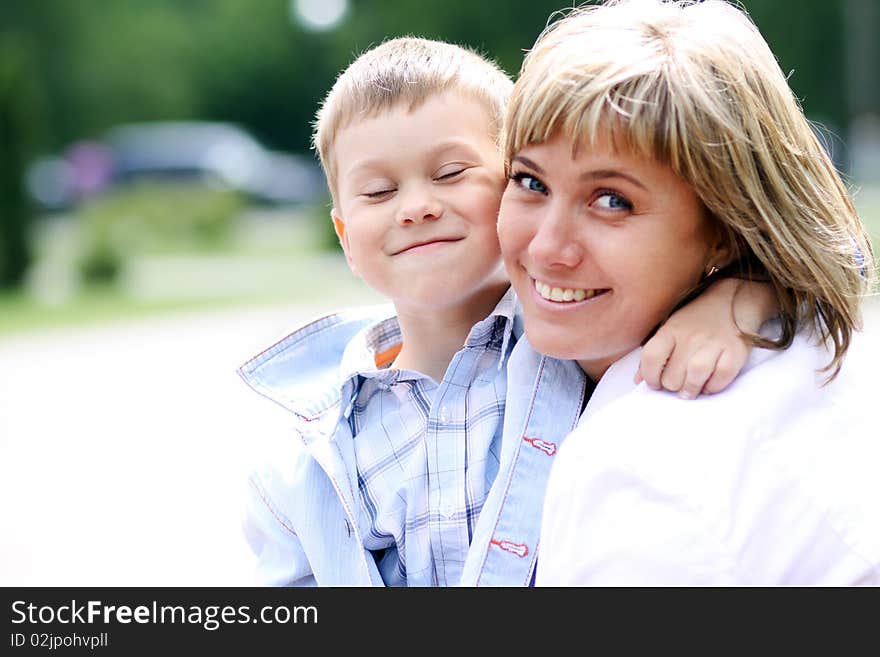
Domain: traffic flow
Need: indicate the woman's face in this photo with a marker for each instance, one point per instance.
(600, 247)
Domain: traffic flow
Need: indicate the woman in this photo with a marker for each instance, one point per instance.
(651, 145)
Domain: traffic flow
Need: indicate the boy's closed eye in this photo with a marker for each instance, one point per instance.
(378, 191)
(450, 172)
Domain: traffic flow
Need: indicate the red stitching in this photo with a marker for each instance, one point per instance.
(545, 446)
(271, 507)
(538, 376)
(519, 549)
(535, 389)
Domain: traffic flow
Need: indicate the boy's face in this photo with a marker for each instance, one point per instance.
(417, 204)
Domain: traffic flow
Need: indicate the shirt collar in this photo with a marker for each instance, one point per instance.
(375, 346)
(499, 324)
(371, 349)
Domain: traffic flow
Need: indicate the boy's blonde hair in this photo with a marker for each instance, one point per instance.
(406, 70)
(695, 86)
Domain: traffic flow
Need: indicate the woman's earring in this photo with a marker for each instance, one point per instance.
(712, 270)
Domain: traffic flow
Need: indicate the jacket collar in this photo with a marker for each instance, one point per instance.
(301, 371)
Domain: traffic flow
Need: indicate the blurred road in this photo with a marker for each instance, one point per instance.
(124, 449)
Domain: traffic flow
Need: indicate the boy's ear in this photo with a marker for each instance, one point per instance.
(339, 227)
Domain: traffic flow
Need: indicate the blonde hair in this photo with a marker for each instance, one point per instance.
(406, 70)
(695, 86)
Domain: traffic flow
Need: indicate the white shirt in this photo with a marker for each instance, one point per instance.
(775, 481)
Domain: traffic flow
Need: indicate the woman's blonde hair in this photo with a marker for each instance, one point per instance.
(695, 86)
(406, 70)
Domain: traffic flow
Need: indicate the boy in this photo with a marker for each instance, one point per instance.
(397, 473)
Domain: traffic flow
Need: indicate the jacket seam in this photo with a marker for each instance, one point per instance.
(282, 520)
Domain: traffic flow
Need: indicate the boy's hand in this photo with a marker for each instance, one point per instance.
(700, 349)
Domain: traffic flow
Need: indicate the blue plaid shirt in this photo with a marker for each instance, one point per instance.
(307, 517)
(426, 453)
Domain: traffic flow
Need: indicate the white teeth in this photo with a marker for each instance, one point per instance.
(562, 294)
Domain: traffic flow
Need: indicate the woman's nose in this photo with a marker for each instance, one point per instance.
(554, 243)
(417, 205)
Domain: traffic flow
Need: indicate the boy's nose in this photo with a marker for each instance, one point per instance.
(418, 206)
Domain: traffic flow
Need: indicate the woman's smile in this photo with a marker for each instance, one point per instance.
(563, 294)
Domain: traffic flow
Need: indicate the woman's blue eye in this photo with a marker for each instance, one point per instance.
(529, 183)
(612, 201)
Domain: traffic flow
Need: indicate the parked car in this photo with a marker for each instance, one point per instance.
(219, 154)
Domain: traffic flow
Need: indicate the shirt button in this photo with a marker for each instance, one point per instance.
(447, 510)
(444, 415)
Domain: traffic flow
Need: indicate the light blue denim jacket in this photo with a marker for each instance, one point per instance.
(301, 505)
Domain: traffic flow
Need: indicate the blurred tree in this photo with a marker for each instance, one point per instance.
(16, 132)
(46, 31)
(248, 61)
(808, 38)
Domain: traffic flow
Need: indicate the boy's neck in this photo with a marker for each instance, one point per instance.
(431, 337)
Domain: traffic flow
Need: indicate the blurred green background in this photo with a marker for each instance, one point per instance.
(83, 238)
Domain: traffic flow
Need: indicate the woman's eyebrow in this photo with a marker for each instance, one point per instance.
(603, 174)
(529, 163)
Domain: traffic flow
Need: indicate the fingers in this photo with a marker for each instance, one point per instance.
(655, 355)
(697, 372)
(726, 369)
(688, 369)
(672, 377)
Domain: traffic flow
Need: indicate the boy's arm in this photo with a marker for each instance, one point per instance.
(700, 348)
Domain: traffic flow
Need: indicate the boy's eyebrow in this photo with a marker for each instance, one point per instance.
(364, 164)
(452, 144)
(598, 174)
